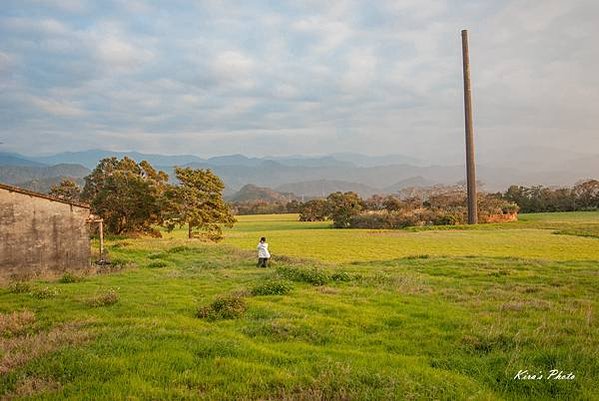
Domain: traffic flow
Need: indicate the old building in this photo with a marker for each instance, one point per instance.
(40, 234)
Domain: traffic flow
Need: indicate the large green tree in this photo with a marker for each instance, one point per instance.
(314, 210)
(126, 194)
(198, 203)
(344, 206)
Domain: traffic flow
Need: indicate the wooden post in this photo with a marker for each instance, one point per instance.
(470, 164)
(101, 231)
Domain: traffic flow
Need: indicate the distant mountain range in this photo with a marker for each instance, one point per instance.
(311, 176)
(253, 193)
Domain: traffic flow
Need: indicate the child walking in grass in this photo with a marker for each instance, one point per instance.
(263, 254)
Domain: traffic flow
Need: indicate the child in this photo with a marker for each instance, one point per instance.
(263, 254)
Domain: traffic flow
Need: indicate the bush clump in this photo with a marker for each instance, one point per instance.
(273, 287)
(19, 287)
(68, 278)
(313, 275)
(106, 298)
(44, 292)
(224, 307)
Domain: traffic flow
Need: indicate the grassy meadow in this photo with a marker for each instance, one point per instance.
(443, 313)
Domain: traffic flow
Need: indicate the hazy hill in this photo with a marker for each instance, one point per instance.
(321, 188)
(23, 174)
(90, 158)
(43, 185)
(13, 159)
(315, 175)
(406, 183)
(252, 193)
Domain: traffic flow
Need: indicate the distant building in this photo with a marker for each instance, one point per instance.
(40, 234)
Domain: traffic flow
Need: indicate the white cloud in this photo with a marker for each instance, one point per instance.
(352, 72)
(361, 70)
(56, 107)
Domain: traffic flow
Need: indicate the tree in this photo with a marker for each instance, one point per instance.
(126, 194)
(198, 203)
(293, 206)
(67, 190)
(314, 210)
(343, 206)
(587, 194)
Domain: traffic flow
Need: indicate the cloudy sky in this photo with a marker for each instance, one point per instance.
(277, 78)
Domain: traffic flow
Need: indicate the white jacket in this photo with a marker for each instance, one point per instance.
(263, 250)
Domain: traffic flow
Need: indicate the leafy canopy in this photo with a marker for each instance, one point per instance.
(126, 194)
(198, 203)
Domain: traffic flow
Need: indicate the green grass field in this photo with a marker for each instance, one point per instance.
(429, 313)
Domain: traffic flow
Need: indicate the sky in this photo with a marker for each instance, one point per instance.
(272, 78)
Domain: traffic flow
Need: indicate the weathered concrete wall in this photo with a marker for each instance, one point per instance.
(38, 235)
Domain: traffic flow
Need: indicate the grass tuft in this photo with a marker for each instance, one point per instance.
(272, 287)
(157, 264)
(106, 298)
(69, 278)
(224, 307)
(314, 275)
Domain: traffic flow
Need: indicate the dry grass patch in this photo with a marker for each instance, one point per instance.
(15, 323)
(30, 386)
(520, 305)
(17, 351)
(106, 298)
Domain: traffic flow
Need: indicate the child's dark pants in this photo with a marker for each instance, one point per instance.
(262, 262)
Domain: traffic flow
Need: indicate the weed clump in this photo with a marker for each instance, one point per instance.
(106, 298)
(68, 278)
(273, 287)
(44, 292)
(19, 287)
(223, 307)
(314, 276)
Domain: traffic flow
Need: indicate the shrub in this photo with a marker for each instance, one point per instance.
(19, 287)
(68, 278)
(223, 307)
(313, 275)
(44, 292)
(272, 287)
(106, 298)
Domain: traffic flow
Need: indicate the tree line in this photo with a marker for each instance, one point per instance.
(538, 199)
(349, 210)
(134, 197)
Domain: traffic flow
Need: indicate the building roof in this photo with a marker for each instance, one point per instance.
(11, 188)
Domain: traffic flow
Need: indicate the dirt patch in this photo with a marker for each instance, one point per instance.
(18, 351)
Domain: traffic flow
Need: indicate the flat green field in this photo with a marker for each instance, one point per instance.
(535, 236)
(429, 313)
